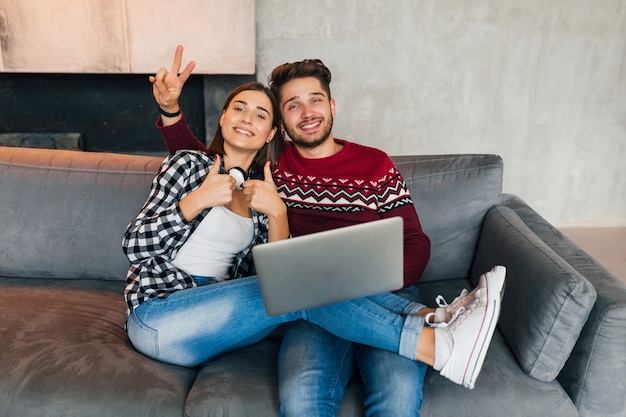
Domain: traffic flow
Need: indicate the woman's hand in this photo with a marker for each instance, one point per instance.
(261, 195)
(167, 86)
(216, 190)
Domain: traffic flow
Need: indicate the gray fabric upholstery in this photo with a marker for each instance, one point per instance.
(243, 382)
(593, 376)
(64, 352)
(546, 301)
(452, 193)
(73, 207)
(502, 389)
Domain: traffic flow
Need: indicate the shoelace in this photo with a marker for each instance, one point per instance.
(441, 301)
(449, 308)
(463, 313)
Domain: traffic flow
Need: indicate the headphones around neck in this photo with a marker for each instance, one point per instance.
(239, 175)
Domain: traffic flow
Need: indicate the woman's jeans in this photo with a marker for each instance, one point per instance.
(192, 326)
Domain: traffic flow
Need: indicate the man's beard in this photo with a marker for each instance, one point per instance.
(303, 142)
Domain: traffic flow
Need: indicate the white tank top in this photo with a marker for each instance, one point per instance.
(212, 247)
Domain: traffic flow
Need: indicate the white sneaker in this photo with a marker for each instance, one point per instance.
(446, 313)
(460, 348)
(496, 279)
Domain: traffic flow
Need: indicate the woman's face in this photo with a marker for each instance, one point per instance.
(247, 122)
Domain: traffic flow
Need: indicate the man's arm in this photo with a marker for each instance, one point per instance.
(178, 136)
(399, 203)
(166, 89)
(416, 244)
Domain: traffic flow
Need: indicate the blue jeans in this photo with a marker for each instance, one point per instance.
(192, 326)
(314, 368)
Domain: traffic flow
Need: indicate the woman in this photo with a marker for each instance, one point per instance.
(197, 229)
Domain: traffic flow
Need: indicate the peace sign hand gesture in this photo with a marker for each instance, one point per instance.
(168, 85)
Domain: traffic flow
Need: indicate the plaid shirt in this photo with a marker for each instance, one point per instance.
(153, 238)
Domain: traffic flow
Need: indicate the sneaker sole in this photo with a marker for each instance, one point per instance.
(497, 280)
(495, 284)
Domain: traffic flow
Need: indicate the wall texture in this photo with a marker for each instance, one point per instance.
(542, 83)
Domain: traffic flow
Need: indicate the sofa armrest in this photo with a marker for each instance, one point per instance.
(593, 376)
(546, 302)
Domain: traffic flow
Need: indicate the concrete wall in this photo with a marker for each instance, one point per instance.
(542, 83)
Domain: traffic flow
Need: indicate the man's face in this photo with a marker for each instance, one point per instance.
(307, 112)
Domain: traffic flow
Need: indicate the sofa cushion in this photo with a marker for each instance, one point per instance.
(248, 373)
(64, 352)
(546, 302)
(64, 212)
(452, 193)
(500, 385)
(244, 383)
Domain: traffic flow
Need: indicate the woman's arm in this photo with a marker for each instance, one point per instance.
(187, 184)
(159, 225)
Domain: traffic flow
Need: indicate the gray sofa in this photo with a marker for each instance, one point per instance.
(559, 350)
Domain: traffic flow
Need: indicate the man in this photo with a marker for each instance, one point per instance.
(315, 366)
(328, 183)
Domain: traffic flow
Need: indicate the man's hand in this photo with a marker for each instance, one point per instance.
(167, 86)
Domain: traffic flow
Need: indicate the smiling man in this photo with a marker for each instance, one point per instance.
(308, 114)
(328, 183)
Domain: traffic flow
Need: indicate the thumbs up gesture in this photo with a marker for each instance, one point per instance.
(261, 195)
(216, 190)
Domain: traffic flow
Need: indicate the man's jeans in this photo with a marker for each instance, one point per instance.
(192, 326)
(315, 367)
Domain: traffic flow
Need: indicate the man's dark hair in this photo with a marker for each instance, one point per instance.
(284, 73)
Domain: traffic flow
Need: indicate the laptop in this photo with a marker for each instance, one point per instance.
(328, 267)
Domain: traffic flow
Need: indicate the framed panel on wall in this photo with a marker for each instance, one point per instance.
(126, 36)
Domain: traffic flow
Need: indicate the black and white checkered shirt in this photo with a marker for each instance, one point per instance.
(154, 237)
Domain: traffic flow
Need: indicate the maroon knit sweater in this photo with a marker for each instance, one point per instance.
(358, 184)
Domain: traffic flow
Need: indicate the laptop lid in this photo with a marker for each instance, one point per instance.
(331, 266)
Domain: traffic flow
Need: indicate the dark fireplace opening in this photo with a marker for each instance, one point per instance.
(102, 112)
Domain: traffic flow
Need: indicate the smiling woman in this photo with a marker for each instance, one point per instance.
(245, 126)
(198, 226)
